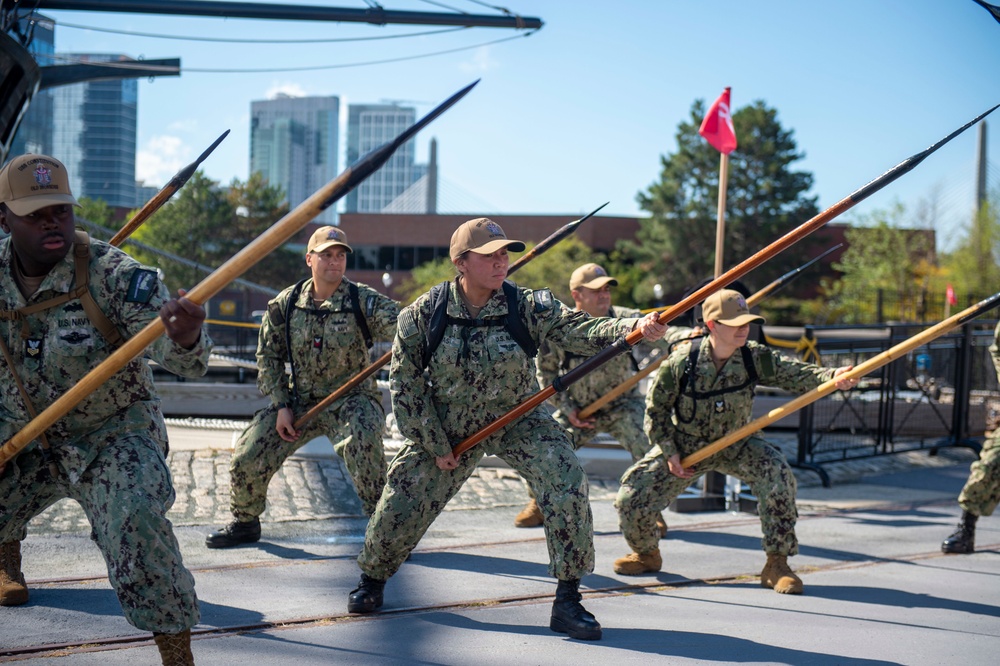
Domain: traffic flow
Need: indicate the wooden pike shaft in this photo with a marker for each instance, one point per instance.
(830, 386)
(622, 345)
(280, 231)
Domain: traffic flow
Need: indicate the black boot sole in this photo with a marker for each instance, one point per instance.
(560, 627)
(369, 606)
(228, 542)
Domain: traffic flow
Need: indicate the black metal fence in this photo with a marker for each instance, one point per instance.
(942, 394)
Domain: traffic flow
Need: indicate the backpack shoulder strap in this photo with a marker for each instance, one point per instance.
(515, 325)
(359, 316)
(438, 322)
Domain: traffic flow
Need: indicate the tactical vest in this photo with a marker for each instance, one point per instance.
(279, 317)
(440, 320)
(81, 263)
(687, 381)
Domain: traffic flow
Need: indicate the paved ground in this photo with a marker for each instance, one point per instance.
(878, 590)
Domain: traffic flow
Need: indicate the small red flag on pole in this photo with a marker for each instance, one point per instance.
(717, 127)
(950, 295)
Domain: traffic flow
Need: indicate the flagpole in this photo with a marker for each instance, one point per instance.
(720, 224)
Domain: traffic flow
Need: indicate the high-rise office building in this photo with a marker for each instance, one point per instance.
(34, 134)
(368, 127)
(94, 133)
(294, 143)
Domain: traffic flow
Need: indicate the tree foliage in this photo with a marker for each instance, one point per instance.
(208, 225)
(766, 198)
(973, 268)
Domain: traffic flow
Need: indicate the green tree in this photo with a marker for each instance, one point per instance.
(256, 206)
(97, 211)
(973, 268)
(766, 198)
(883, 256)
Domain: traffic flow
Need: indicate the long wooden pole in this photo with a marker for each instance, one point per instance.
(161, 197)
(720, 221)
(280, 231)
(857, 372)
(625, 343)
(380, 362)
(651, 367)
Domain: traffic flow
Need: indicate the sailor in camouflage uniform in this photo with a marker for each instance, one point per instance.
(981, 493)
(328, 338)
(478, 372)
(687, 408)
(107, 453)
(622, 418)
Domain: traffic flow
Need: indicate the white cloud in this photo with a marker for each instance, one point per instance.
(160, 159)
(290, 89)
(482, 61)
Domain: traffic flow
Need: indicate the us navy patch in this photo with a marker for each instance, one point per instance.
(543, 299)
(33, 347)
(141, 286)
(370, 306)
(74, 336)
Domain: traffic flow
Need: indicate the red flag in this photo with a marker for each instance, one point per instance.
(949, 293)
(717, 127)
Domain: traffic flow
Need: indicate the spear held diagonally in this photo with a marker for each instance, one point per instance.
(624, 344)
(280, 231)
(380, 362)
(857, 372)
(756, 298)
(161, 197)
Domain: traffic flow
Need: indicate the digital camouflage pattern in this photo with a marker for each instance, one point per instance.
(981, 492)
(475, 376)
(328, 349)
(676, 423)
(622, 418)
(109, 448)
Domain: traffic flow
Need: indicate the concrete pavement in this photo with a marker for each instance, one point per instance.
(878, 590)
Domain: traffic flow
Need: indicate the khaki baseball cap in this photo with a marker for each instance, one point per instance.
(728, 307)
(29, 182)
(325, 237)
(482, 236)
(591, 276)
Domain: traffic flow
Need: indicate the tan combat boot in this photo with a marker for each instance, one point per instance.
(635, 564)
(530, 516)
(779, 576)
(175, 649)
(13, 589)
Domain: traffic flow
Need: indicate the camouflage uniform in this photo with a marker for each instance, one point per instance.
(622, 418)
(328, 349)
(676, 423)
(109, 449)
(475, 376)
(982, 490)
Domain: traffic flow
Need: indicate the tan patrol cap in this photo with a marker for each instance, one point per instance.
(325, 237)
(728, 307)
(482, 236)
(29, 182)
(591, 276)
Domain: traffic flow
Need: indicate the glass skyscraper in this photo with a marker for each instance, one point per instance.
(368, 127)
(294, 143)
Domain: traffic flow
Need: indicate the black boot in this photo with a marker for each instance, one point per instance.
(964, 538)
(570, 617)
(367, 597)
(234, 534)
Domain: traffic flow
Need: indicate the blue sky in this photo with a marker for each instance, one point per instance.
(580, 112)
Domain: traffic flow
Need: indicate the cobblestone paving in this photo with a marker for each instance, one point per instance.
(308, 488)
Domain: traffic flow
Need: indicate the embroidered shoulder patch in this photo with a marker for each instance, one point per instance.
(370, 305)
(543, 299)
(141, 286)
(407, 324)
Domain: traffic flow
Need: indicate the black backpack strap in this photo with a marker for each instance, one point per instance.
(359, 316)
(438, 322)
(515, 325)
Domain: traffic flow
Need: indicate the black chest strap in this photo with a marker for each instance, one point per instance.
(440, 320)
(687, 383)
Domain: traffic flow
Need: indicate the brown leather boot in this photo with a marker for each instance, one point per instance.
(175, 649)
(779, 576)
(13, 589)
(635, 564)
(530, 516)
